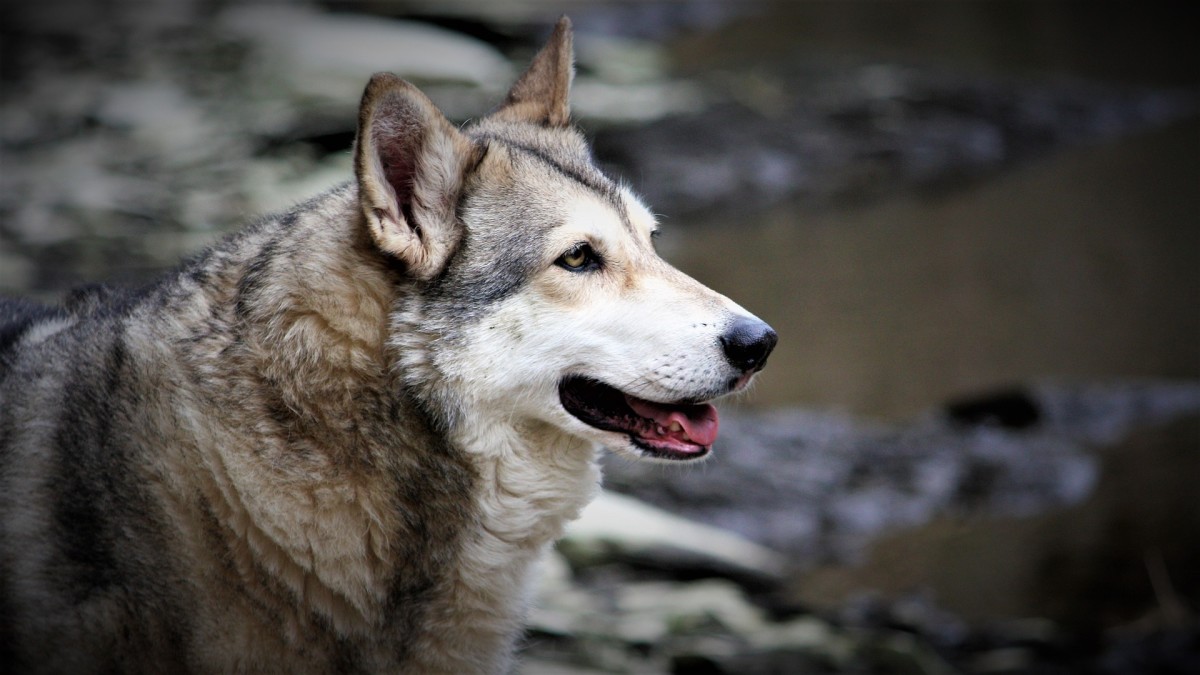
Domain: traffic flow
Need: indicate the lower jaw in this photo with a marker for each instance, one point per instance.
(655, 451)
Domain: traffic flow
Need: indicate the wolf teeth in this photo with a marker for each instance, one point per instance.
(676, 427)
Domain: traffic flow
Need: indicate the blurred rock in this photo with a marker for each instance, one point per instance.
(331, 55)
(606, 103)
(275, 184)
(823, 485)
(853, 480)
(708, 626)
(157, 113)
(1106, 413)
(166, 134)
(650, 612)
(644, 20)
(616, 527)
(15, 270)
(1008, 408)
(665, 626)
(144, 114)
(621, 80)
(828, 133)
(561, 608)
(621, 60)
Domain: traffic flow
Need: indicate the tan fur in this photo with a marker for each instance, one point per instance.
(401, 125)
(542, 94)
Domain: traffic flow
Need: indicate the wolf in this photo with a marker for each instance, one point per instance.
(339, 440)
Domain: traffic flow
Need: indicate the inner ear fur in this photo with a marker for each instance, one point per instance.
(541, 95)
(410, 163)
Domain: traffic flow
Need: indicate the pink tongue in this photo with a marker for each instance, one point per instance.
(699, 422)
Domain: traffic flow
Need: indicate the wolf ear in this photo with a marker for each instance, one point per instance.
(541, 95)
(410, 162)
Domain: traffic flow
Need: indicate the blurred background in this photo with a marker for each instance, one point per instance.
(975, 226)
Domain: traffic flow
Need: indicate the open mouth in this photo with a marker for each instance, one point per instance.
(678, 431)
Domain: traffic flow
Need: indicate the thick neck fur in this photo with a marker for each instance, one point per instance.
(531, 483)
(532, 480)
(367, 512)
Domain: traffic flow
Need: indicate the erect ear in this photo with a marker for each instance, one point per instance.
(541, 95)
(410, 162)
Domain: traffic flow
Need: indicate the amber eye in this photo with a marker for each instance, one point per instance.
(579, 258)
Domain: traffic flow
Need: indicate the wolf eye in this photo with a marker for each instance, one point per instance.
(579, 258)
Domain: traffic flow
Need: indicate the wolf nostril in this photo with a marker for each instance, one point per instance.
(748, 342)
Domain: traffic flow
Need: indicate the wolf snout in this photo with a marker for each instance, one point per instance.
(748, 342)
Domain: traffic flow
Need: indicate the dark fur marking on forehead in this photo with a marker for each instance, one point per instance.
(597, 181)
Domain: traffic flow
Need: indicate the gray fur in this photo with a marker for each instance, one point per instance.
(109, 545)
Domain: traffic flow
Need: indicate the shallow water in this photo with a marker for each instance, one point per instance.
(1127, 553)
(1084, 265)
(1081, 265)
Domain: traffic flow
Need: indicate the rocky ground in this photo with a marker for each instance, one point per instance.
(637, 590)
(173, 126)
(130, 137)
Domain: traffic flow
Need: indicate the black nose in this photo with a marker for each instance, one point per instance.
(748, 342)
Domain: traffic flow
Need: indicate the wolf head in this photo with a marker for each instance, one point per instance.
(539, 301)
